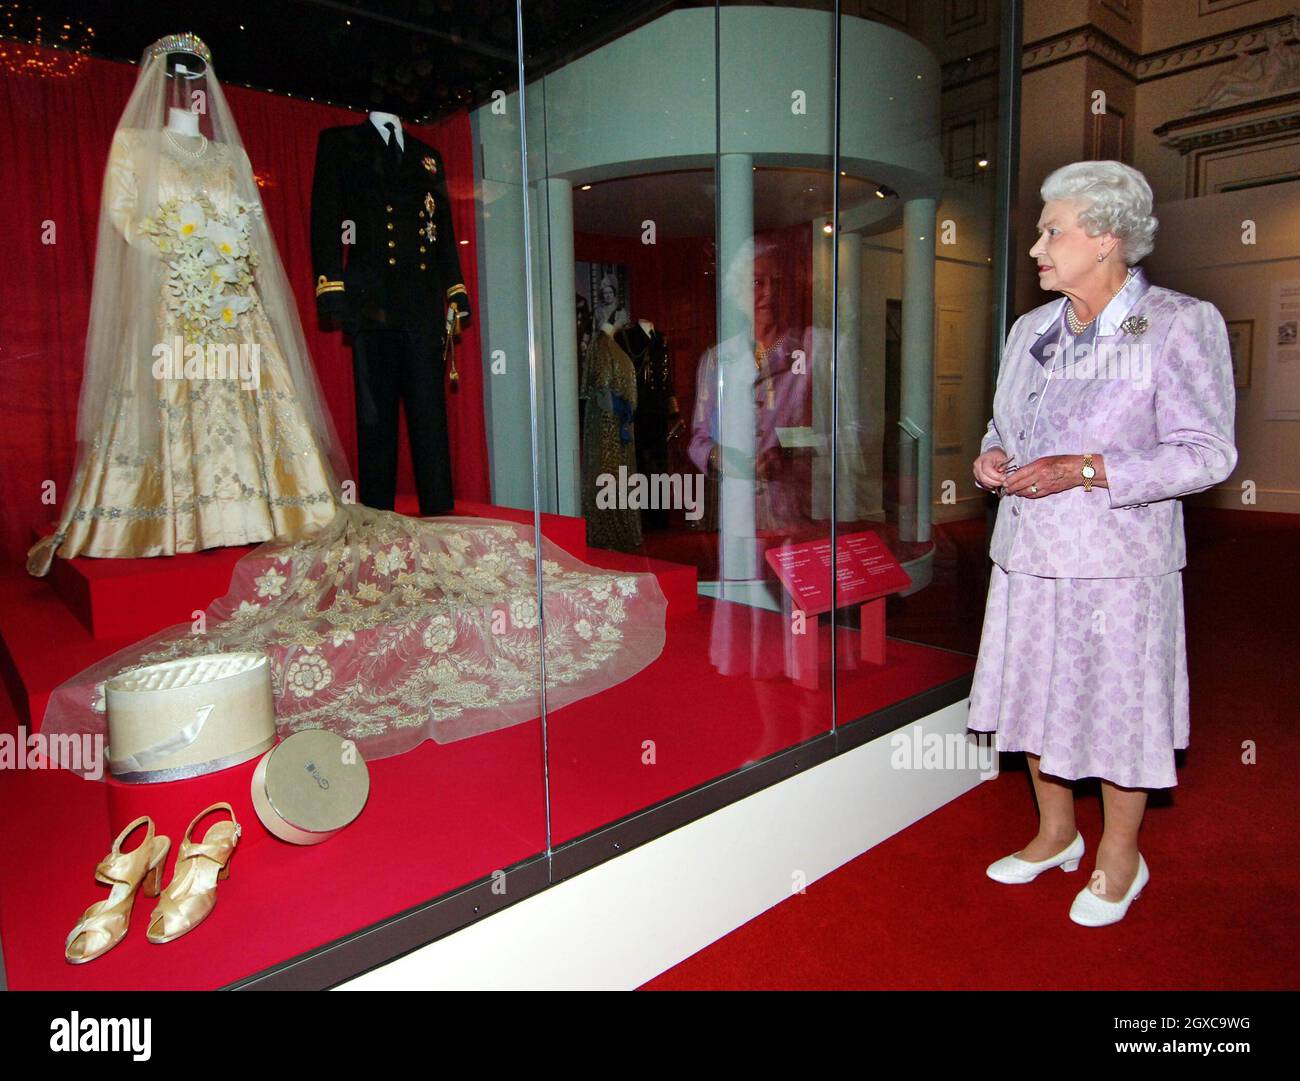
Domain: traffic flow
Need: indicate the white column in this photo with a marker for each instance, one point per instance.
(736, 423)
(849, 457)
(917, 406)
(563, 359)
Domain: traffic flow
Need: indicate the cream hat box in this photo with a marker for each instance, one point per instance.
(309, 786)
(189, 716)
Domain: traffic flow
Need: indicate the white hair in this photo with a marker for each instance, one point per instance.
(1113, 198)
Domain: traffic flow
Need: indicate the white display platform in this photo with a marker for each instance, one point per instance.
(622, 923)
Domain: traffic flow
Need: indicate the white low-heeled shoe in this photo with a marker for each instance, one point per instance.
(1014, 871)
(1089, 910)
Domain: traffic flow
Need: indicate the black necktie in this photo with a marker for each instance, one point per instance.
(394, 150)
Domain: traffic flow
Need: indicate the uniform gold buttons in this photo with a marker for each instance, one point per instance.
(421, 266)
(390, 226)
(392, 261)
(421, 213)
(389, 209)
(392, 243)
(421, 248)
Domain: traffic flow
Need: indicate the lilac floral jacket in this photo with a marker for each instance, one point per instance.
(1152, 392)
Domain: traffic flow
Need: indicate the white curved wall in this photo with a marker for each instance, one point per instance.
(647, 101)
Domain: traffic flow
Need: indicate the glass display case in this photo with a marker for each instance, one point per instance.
(735, 293)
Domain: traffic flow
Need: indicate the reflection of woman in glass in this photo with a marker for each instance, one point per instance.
(608, 310)
(778, 363)
(756, 380)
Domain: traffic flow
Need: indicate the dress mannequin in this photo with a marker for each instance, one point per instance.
(380, 119)
(188, 460)
(608, 442)
(183, 122)
(656, 407)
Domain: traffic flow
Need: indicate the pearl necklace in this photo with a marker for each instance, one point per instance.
(1078, 328)
(203, 144)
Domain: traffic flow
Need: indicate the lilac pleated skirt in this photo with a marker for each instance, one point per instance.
(1090, 674)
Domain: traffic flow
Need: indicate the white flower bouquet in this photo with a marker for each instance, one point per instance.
(209, 263)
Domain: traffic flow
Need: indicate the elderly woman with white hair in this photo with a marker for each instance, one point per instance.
(1112, 402)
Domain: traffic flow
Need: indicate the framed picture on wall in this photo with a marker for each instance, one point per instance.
(607, 289)
(1241, 343)
(947, 419)
(949, 344)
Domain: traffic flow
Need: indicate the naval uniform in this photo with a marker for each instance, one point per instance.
(387, 266)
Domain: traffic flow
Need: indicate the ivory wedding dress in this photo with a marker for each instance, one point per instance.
(229, 463)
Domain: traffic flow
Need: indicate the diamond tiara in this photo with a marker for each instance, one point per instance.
(181, 43)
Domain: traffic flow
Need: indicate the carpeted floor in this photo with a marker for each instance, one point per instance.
(1221, 910)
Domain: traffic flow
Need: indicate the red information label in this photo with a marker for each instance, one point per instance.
(864, 570)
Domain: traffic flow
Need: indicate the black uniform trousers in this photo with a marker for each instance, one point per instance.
(407, 367)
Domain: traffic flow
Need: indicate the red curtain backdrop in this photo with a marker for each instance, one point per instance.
(56, 134)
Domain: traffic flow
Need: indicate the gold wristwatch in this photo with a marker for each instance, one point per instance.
(1088, 472)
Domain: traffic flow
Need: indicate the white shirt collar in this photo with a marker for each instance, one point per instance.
(380, 119)
(1111, 316)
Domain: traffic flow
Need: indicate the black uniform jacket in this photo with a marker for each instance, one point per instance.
(383, 248)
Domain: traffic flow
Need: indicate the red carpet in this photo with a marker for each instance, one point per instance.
(1221, 911)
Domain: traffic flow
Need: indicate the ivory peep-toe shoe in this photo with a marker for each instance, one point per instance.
(192, 892)
(105, 923)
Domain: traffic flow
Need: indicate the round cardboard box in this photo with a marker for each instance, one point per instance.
(309, 786)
